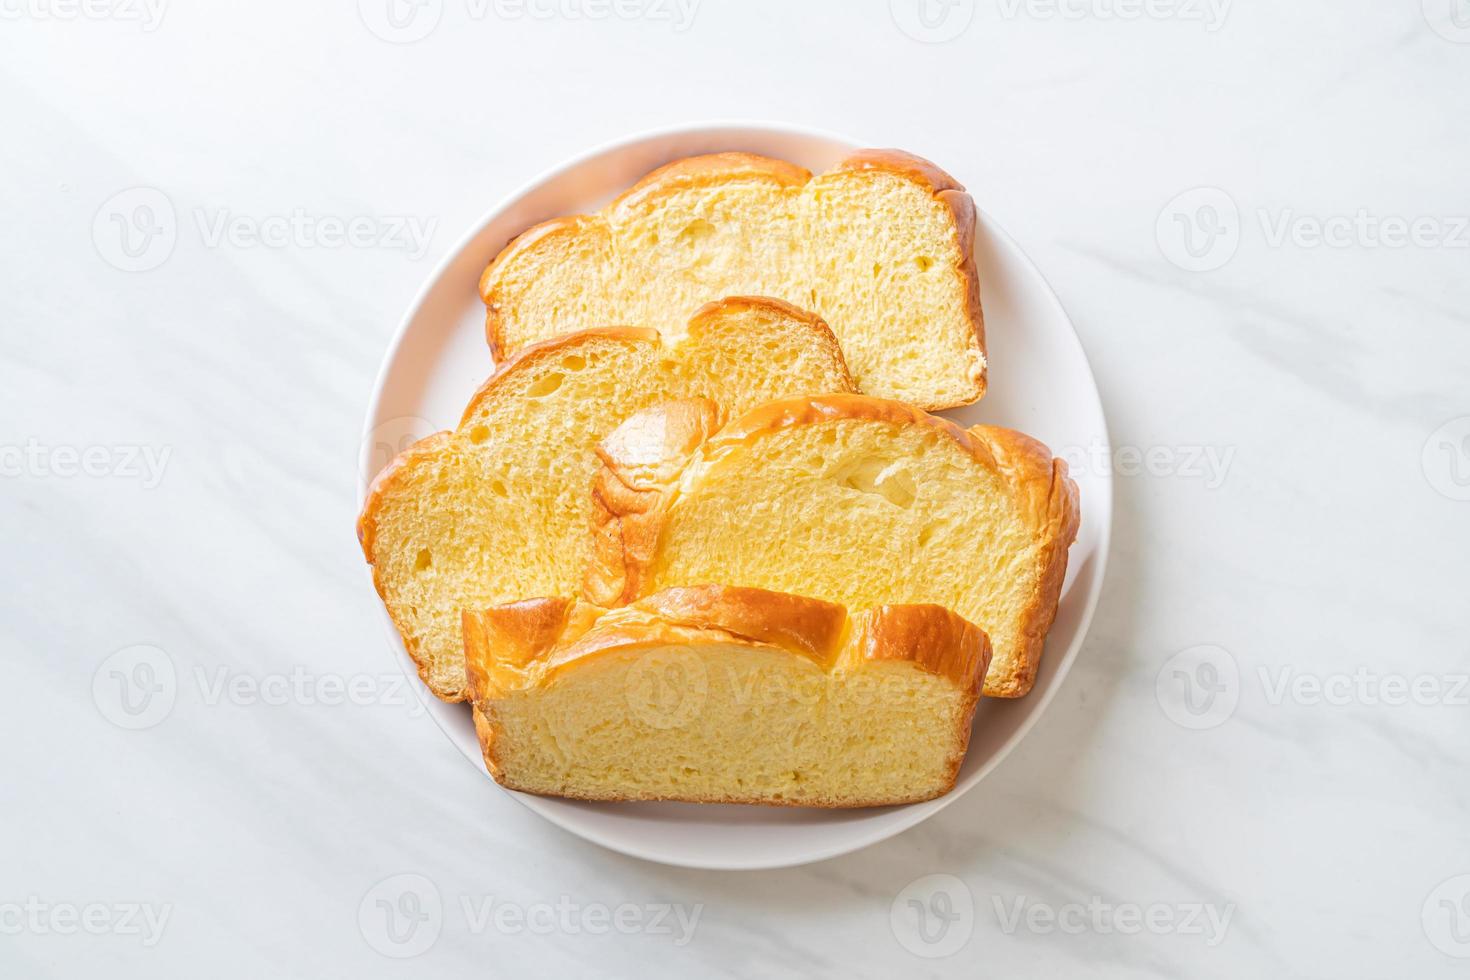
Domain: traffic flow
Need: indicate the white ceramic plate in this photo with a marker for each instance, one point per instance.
(1040, 382)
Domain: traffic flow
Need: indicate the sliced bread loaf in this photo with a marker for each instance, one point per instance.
(880, 247)
(724, 695)
(498, 509)
(846, 498)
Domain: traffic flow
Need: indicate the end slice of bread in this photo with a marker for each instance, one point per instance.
(717, 694)
(846, 498)
(881, 247)
(498, 509)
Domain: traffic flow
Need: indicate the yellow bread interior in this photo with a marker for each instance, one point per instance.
(880, 247)
(854, 500)
(673, 700)
(498, 509)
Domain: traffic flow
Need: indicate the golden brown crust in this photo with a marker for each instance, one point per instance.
(525, 645)
(485, 732)
(809, 627)
(938, 640)
(787, 413)
(759, 304)
(521, 633)
(1048, 498)
(715, 168)
(710, 168)
(640, 458)
(903, 163)
(530, 641)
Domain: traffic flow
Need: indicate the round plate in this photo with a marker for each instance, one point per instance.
(1040, 383)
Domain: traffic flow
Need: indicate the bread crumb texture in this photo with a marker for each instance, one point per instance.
(497, 510)
(860, 502)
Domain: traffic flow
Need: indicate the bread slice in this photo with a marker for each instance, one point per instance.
(846, 498)
(724, 695)
(497, 509)
(880, 247)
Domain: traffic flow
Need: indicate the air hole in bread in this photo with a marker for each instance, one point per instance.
(479, 434)
(573, 362)
(498, 488)
(876, 476)
(424, 559)
(696, 231)
(544, 386)
(923, 262)
(877, 269)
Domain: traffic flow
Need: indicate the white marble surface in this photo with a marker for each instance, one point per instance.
(220, 394)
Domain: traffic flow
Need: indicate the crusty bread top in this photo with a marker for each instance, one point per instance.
(786, 413)
(664, 454)
(711, 166)
(563, 273)
(524, 645)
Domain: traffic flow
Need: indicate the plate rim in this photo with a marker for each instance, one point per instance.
(911, 814)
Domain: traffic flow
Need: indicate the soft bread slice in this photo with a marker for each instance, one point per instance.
(880, 247)
(498, 509)
(846, 498)
(724, 695)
